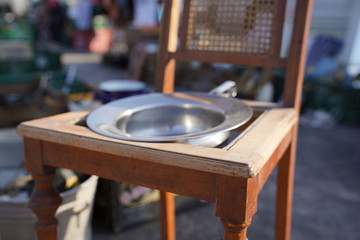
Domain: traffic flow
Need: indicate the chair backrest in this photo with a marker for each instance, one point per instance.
(240, 32)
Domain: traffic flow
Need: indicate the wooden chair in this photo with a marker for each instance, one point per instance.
(246, 33)
(240, 32)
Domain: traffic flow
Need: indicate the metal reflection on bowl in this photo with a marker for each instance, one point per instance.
(176, 120)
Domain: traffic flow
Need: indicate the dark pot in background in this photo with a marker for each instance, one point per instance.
(115, 89)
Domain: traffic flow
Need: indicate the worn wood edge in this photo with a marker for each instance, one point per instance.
(267, 169)
(70, 135)
(230, 166)
(53, 121)
(195, 157)
(244, 161)
(264, 136)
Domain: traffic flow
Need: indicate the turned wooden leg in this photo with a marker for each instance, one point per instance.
(44, 201)
(236, 203)
(235, 231)
(167, 205)
(284, 199)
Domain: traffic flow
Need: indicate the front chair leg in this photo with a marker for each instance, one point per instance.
(44, 202)
(236, 203)
(235, 231)
(284, 199)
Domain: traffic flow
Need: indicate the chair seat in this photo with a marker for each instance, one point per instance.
(244, 157)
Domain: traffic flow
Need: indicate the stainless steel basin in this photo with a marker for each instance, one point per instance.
(169, 121)
(193, 118)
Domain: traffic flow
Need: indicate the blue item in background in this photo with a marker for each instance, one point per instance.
(323, 47)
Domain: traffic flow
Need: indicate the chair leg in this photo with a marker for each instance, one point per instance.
(284, 200)
(167, 205)
(44, 202)
(236, 204)
(234, 231)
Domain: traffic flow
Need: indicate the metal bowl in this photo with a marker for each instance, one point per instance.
(193, 118)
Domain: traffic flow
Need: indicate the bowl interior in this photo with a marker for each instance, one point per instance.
(167, 121)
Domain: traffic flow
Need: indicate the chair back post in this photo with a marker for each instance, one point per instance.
(165, 70)
(278, 27)
(294, 77)
(255, 40)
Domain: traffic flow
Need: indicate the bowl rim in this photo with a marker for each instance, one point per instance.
(103, 119)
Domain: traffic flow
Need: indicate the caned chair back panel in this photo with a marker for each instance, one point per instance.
(241, 32)
(242, 27)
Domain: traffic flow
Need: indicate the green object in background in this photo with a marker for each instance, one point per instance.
(16, 30)
(26, 71)
(341, 101)
(57, 80)
(47, 59)
(15, 78)
(16, 67)
(22, 70)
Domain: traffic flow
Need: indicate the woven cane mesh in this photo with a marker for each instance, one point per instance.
(231, 26)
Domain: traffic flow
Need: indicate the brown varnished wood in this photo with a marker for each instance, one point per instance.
(167, 204)
(167, 43)
(236, 203)
(44, 202)
(297, 55)
(33, 155)
(235, 231)
(263, 130)
(174, 25)
(232, 176)
(144, 173)
(184, 26)
(84, 151)
(285, 190)
(83, 158)
(273, 161)
(168, 85)
(65, 157)
(163, 57)
(292, 97)
(244, 157)
(278, 28)
(44, 199)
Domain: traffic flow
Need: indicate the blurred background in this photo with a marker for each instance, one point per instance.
(55, 55)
